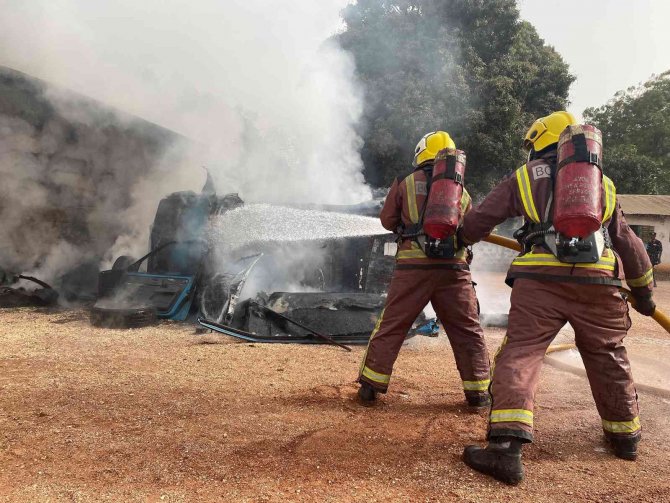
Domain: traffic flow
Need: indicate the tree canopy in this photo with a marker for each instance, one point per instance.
(469, 67)
(636, 137)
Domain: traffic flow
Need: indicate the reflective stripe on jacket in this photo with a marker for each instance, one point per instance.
(403, 206)
(528, 193)
(528, 196)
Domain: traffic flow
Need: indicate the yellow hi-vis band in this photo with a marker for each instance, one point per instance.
(498, 351)
(375, 376)
(607, 261)
(622, 426)
(476, 385)
(526, 194)
(465, 201)
(413, 207)
(416, 251)
(411, 199)
(378, 324)
(512, 416)
(610, 198)
(643, 280)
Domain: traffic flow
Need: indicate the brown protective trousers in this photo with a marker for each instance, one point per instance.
(539, 309)
(453, 297)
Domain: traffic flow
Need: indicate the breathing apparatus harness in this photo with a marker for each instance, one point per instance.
(570, 250)
(433, 248)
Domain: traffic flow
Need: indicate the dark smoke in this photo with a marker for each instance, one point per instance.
(68, 166)
(265, 104)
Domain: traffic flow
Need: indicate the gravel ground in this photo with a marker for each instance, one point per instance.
(160, 414)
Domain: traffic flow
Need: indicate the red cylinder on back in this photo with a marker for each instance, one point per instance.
(443, 208)
(578, 186)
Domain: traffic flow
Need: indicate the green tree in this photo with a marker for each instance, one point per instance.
(470, 67)
(636, 136)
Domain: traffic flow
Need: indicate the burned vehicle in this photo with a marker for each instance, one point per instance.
(341, 290)
(331, 290)
(128, 297)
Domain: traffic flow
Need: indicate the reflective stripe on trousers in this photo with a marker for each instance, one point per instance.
(482, 385)
(539, 309)
(512, 416)
(622, 426)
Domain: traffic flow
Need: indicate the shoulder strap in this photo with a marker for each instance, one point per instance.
(429, 182)
(526, 194)
(610, 198)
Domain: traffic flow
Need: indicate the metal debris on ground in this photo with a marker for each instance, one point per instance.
(22, 296)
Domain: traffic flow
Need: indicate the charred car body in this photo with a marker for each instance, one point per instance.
(174, 266)
(182, 280)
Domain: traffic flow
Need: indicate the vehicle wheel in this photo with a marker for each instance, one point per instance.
(123, 262)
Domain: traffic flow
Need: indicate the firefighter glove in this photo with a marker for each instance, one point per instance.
(645, 305)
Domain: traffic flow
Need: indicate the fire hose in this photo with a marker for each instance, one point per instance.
(659, 316)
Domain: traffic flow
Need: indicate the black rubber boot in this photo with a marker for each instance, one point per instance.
(501, 459)
(624, 447)
(367, 394)
(477, 399)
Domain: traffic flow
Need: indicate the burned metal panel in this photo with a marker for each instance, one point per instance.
(183, 217)
(133, 290)
(360, 264)
(381, 264)
(332, 314)
(308, 318)
(22, 296)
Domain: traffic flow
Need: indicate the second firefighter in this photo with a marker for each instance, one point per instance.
(427, 271)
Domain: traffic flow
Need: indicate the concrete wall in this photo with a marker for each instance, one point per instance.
(661, 225)
(68, 171)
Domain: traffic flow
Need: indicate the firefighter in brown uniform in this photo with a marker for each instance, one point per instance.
(417, 280)
(548, 293)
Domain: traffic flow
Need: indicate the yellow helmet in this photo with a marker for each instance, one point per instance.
(546, 130)
(430, 145)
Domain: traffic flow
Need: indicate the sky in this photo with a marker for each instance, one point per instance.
(610, 45)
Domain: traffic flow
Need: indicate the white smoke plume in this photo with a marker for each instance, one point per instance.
(269, 104)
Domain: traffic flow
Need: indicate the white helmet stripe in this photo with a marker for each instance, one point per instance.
(421, 146)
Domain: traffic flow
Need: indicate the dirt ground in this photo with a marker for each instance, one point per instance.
(162, 414)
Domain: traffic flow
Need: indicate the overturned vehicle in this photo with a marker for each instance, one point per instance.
(213, 259)
(167, 287)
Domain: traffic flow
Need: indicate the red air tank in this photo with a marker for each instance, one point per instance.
(578, 186)
(443, 208)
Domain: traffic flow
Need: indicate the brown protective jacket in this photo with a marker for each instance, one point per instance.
(528, 193)
(403, 207)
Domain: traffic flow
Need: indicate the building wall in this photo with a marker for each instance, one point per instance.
(661, 225)
(69, 172)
